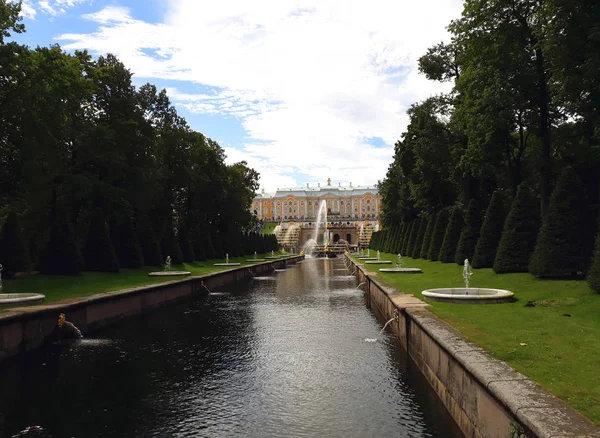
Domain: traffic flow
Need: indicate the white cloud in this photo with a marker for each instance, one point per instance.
(310, 80)
(50, 7)
(27, 10)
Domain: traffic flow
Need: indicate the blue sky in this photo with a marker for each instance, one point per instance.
(303, 90)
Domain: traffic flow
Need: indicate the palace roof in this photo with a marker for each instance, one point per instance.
(320, 192)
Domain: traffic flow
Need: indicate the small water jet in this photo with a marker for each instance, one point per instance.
(360, 284)
(167, 271)
(399, 268)
(378, 261)
(386, 324)
(227, 262)
(255, 259)
(468, 295)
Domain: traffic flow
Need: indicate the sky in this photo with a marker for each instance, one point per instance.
(303, 90)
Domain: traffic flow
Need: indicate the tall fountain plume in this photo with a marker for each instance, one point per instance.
(321, 219)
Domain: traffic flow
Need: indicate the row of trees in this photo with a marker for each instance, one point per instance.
(97, 174)
(520, 123)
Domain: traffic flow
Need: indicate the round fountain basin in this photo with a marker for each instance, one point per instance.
(473, 295)
(402, 270)
(169, 273)
(17, 299)
(378, 262)
(255, 260)
(227, 264)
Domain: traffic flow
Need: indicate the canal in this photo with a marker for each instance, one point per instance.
(295, 354)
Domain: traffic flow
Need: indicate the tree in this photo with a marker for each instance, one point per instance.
(169, 246)
(61, 255)
(413, 237)
(469, 235)
(14, 256)
(491, 232)
(126, 245)
(593, 277)
(9, 19)
(98, 253)
(452, 235)
(437, 235)
(563, 248)
(519, 233)
(185, 243)
(149, 243)
(416, 252)
(427, 236)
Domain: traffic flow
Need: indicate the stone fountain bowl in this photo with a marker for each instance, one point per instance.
(18, 299)
(472, 295)
(227, 264)
(255, 260)
(169, 273)
(402, 270)
(378, 262)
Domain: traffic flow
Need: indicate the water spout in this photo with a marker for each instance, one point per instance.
(227, 258)
(386, 324)
(377, 255)
(358, 287)
(168, 263)
(204, 286)
(399, 262)
(467, 272)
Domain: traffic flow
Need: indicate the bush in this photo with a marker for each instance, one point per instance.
(126, 245)
(469, 235)
(437, 235)
(491, 232)
(427, 236)
(453, 230)
(519, 233)
(416, 252)
(563, 246)
(593, 277)
(14, 256)
(98, 252)
(185, 243)
(169, 246)
(215, 238)
(406, 240)
(149, 243)
(413, 237)
(61, 255)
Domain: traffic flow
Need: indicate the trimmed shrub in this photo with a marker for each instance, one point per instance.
(14, 256)
(437, 235)
(398, 239)
(413, 237)
(149, 243)
(563, 246)
(469, 235)
(126, 245)
(98, 252)
(427, 236)
(593, 277)
(416, 252)
(169, 246)
(519, 233)
(491, 232)
(452, 235)
(215, 238)
(185, 243)
(406, 239)
(61, 255)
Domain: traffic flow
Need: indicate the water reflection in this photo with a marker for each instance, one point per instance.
(283, 357)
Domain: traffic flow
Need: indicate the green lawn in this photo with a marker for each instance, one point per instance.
(562, 331)
(57, 288)
(269, 228)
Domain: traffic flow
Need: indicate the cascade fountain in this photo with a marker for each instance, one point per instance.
(468, 295)
(227, 262)
(167, 271)
(9, 299)
(399, 269)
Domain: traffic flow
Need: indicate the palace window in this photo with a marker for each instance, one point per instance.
(290, 209)
(368, 201)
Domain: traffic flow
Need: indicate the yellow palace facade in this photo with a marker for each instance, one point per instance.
(301, 204)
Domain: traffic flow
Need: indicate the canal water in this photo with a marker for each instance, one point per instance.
(286, 355)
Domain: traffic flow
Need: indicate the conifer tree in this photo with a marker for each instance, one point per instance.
(169, 246)
(126, 245)
(98, 252)
(61, 255)
(427, 236)
(437, 235)
(14, 255)
(185, 243)
(149, 243)
(416, 252)
(413, 237)
(593, 277)
(469, 235)
(491, 232)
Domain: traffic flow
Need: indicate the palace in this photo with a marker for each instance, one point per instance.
(299, 204)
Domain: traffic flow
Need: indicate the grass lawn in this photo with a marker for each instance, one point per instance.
(269, 228)
(59, 287)
(562, 331)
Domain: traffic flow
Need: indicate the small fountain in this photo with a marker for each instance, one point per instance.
(227, 262)
(167, 271)
(467, 295)
(378, 261)
(368, 256)
(399, 268)
(18, 298)
(255, 259)
(272, 256)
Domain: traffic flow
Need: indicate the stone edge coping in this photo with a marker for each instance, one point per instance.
(544, 414)
(16, 313)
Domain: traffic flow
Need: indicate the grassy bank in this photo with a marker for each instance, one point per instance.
(59, 287)
(269, 228)
(561, 333)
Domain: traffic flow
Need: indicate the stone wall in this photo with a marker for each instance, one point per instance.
(26, 328)
(485, 396)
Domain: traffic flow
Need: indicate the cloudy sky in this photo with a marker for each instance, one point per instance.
(302, 90)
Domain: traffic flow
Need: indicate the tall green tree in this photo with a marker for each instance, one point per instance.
(469, 235)
(452, 235)
(491, 232)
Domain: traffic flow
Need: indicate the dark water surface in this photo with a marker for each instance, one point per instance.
(282, 356)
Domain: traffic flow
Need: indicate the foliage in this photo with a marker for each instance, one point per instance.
(61, 255)
(427, 236)
(185, 243)
(563, 246)
(413, 236)
(437, 235)
(519, 233)
(416, 252)
(593, 277)
(149, 243)
(169, 245)
(14, 256)
(126, 244)
(98, 252)
(491, 232)
(469, 235)
(452, 235)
